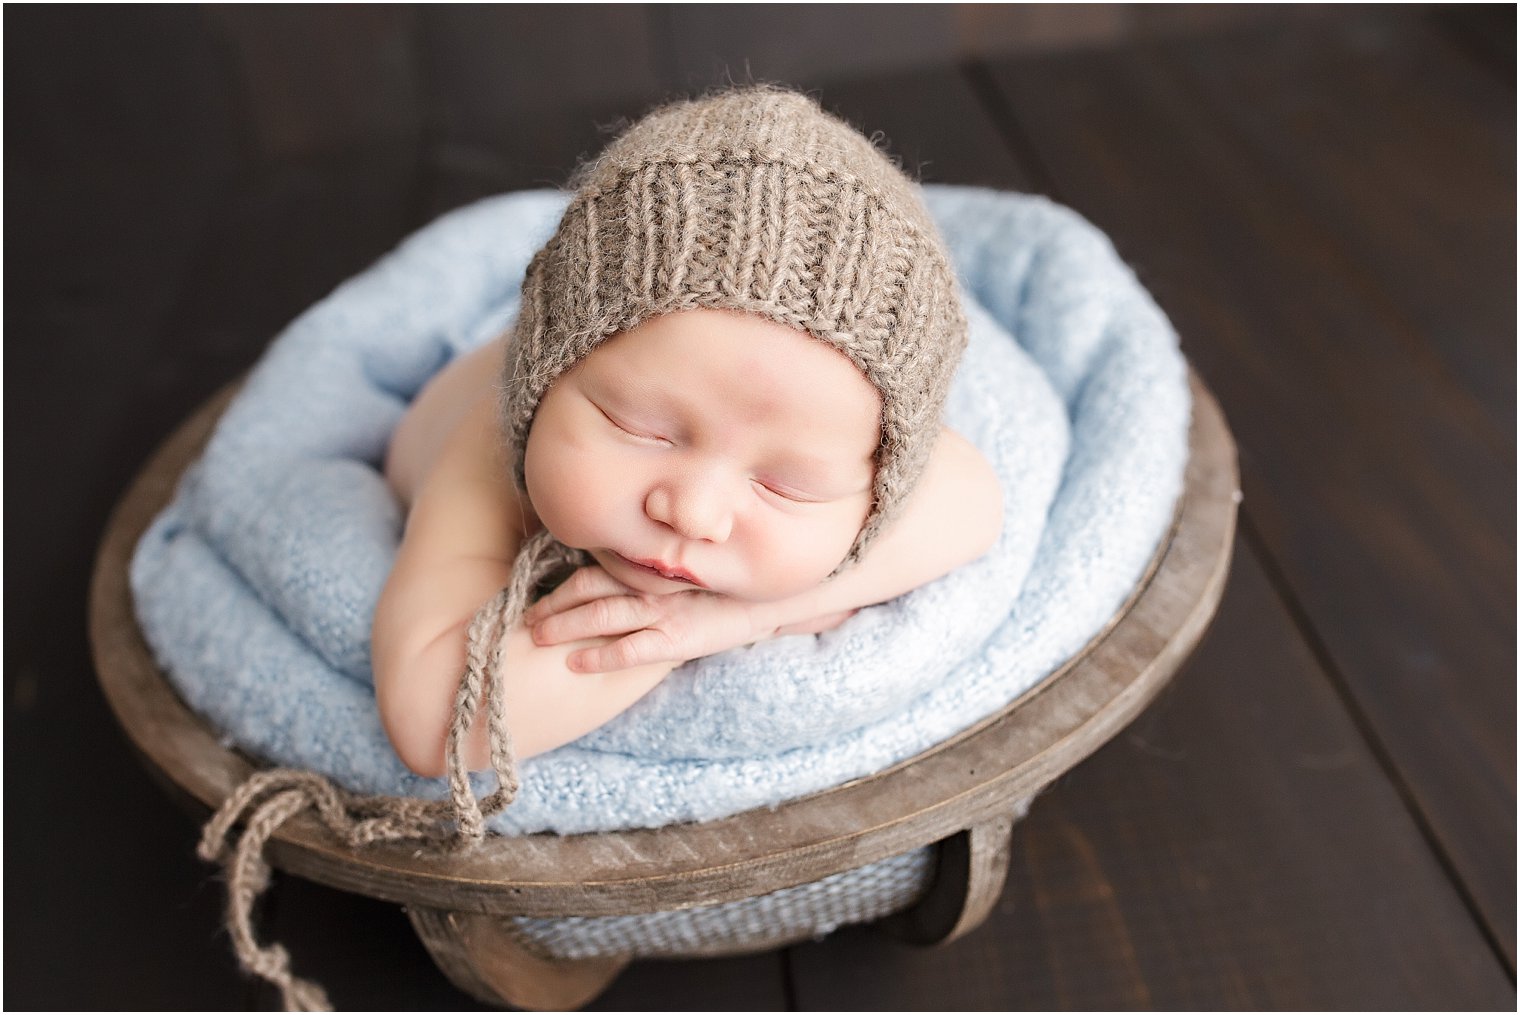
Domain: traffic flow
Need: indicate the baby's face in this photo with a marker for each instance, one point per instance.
(714, 444)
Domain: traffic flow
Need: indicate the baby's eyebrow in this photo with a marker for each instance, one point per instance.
(636, 398)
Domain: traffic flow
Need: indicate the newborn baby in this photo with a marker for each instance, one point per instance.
(724, 387)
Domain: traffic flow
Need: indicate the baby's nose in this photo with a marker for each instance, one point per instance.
(697, 506)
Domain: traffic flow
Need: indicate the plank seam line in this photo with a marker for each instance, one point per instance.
(789, 977)
(1018, 142)
(1319, 649)
(427, 132)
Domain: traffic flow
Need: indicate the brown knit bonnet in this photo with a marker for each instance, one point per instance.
(756, 200)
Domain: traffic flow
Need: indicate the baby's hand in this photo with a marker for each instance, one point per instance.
(675, 627)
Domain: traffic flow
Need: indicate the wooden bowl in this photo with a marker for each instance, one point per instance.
(963, 793)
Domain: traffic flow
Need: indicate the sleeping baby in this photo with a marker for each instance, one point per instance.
(720, 403)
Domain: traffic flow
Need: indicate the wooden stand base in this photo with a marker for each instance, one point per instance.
(486, 958)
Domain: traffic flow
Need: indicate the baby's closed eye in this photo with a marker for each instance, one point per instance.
(633, 430)
(791, 496)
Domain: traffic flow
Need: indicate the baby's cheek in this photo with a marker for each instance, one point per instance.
(795, 557)
(561, 488)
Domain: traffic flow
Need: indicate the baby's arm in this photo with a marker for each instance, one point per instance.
(952, 517)
(462, 535)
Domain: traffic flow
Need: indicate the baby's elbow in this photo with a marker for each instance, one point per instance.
(966, 498)
(991, 527)
(417, 742)
(421, 759)
(982, 505)
(412, 697)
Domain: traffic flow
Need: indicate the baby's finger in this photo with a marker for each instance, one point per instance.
(585, 585)
(605, 617)
(650, 645)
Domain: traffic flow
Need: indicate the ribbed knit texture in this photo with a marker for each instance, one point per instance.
(752, 200)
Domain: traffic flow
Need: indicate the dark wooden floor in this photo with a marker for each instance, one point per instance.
(1320, 813)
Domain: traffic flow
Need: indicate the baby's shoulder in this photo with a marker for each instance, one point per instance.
(436, 415)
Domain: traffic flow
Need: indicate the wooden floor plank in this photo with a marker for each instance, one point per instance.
(166, 248)
(486, 141)
(122, 146)
(115, 173)
(492, 125)
(1238, 847)
(1413, 171)
(1382, 498)
(742, 983)
(933, 122)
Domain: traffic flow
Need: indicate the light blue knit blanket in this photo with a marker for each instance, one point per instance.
(256, 586)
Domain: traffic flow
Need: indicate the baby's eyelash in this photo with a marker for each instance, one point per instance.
(631, 433)
(783, 494)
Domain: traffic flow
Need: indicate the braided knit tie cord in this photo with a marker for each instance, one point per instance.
(266, 800)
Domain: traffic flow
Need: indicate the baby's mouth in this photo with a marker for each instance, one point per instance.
(661, 569)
